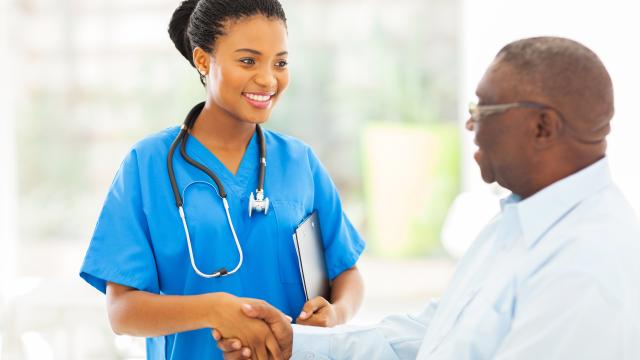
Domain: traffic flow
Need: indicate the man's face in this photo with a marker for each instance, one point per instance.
(503, 138)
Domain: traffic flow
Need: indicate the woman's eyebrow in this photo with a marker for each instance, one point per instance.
(256, 52)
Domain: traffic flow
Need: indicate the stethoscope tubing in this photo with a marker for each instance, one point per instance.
(222, 271)
(181, 140)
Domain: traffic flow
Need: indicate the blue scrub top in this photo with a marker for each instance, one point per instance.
(139, 239)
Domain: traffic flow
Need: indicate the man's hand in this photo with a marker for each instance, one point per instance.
(318, 312)
(278, 322)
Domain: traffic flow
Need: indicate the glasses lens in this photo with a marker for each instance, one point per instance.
(473, 111)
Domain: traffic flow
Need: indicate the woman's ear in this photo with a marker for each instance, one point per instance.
(201, 61)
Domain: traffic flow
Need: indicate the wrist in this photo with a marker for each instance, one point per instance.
(214, 308)
(342, 312)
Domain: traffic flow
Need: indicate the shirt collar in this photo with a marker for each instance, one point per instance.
(539, 212)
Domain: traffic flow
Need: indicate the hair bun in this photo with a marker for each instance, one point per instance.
(178, 28)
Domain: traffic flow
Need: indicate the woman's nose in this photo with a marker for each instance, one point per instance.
(267, 79)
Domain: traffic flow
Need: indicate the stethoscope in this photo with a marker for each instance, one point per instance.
(259, 203)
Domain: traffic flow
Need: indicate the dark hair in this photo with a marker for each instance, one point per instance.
(198, 23)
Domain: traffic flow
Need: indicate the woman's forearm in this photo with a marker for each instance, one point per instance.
(347, 292)
(140, 313)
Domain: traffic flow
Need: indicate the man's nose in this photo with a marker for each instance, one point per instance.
(469, 125)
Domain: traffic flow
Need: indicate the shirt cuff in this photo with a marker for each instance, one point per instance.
(311, 342)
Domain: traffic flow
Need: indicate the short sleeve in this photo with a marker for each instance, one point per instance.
(343, 245)
(120, 250)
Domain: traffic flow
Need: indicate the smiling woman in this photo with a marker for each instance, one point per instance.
(249, 71)
(163, 244)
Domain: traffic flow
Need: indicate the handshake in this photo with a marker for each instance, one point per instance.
(253, 329)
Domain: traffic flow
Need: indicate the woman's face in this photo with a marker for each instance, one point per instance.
(248, 70)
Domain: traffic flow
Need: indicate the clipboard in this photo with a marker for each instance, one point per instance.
(307, 240)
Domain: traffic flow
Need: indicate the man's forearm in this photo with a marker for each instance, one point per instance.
(341, 342)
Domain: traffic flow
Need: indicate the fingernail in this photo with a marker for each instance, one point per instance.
(303, 315)
(247, 307)
(246, 352)
(288, 318)
(236, 345)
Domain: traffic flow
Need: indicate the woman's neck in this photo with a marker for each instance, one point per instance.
(218, 129)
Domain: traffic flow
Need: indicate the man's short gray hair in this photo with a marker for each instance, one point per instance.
(568, 75)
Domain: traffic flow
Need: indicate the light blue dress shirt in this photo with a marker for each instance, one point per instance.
(139, 240)
(554, 276)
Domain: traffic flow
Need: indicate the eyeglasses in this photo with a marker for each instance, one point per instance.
(478, 112)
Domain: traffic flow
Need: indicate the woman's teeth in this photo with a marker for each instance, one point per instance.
(256, 97)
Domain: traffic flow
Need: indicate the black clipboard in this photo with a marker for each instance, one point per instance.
(307, 240)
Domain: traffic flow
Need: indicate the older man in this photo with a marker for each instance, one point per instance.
(556, 275)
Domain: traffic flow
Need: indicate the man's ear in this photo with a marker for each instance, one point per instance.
(201, 61)
(548, 126)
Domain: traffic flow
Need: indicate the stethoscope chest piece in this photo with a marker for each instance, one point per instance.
(258, 203)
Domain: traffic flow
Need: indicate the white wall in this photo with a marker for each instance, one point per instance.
(8, 171)
(610, 28)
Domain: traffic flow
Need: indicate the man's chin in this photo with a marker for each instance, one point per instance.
(487, 176)
(489, 179)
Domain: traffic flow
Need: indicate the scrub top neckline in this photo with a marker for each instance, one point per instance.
(248, 168)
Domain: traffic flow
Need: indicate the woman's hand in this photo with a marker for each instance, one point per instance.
(319, 312)
(230, 322)
(279, 323)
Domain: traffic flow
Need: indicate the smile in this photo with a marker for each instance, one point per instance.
(259, 100)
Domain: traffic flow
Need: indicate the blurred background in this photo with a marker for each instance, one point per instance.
(379, 90)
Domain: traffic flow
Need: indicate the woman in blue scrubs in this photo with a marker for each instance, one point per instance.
(139, 254)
